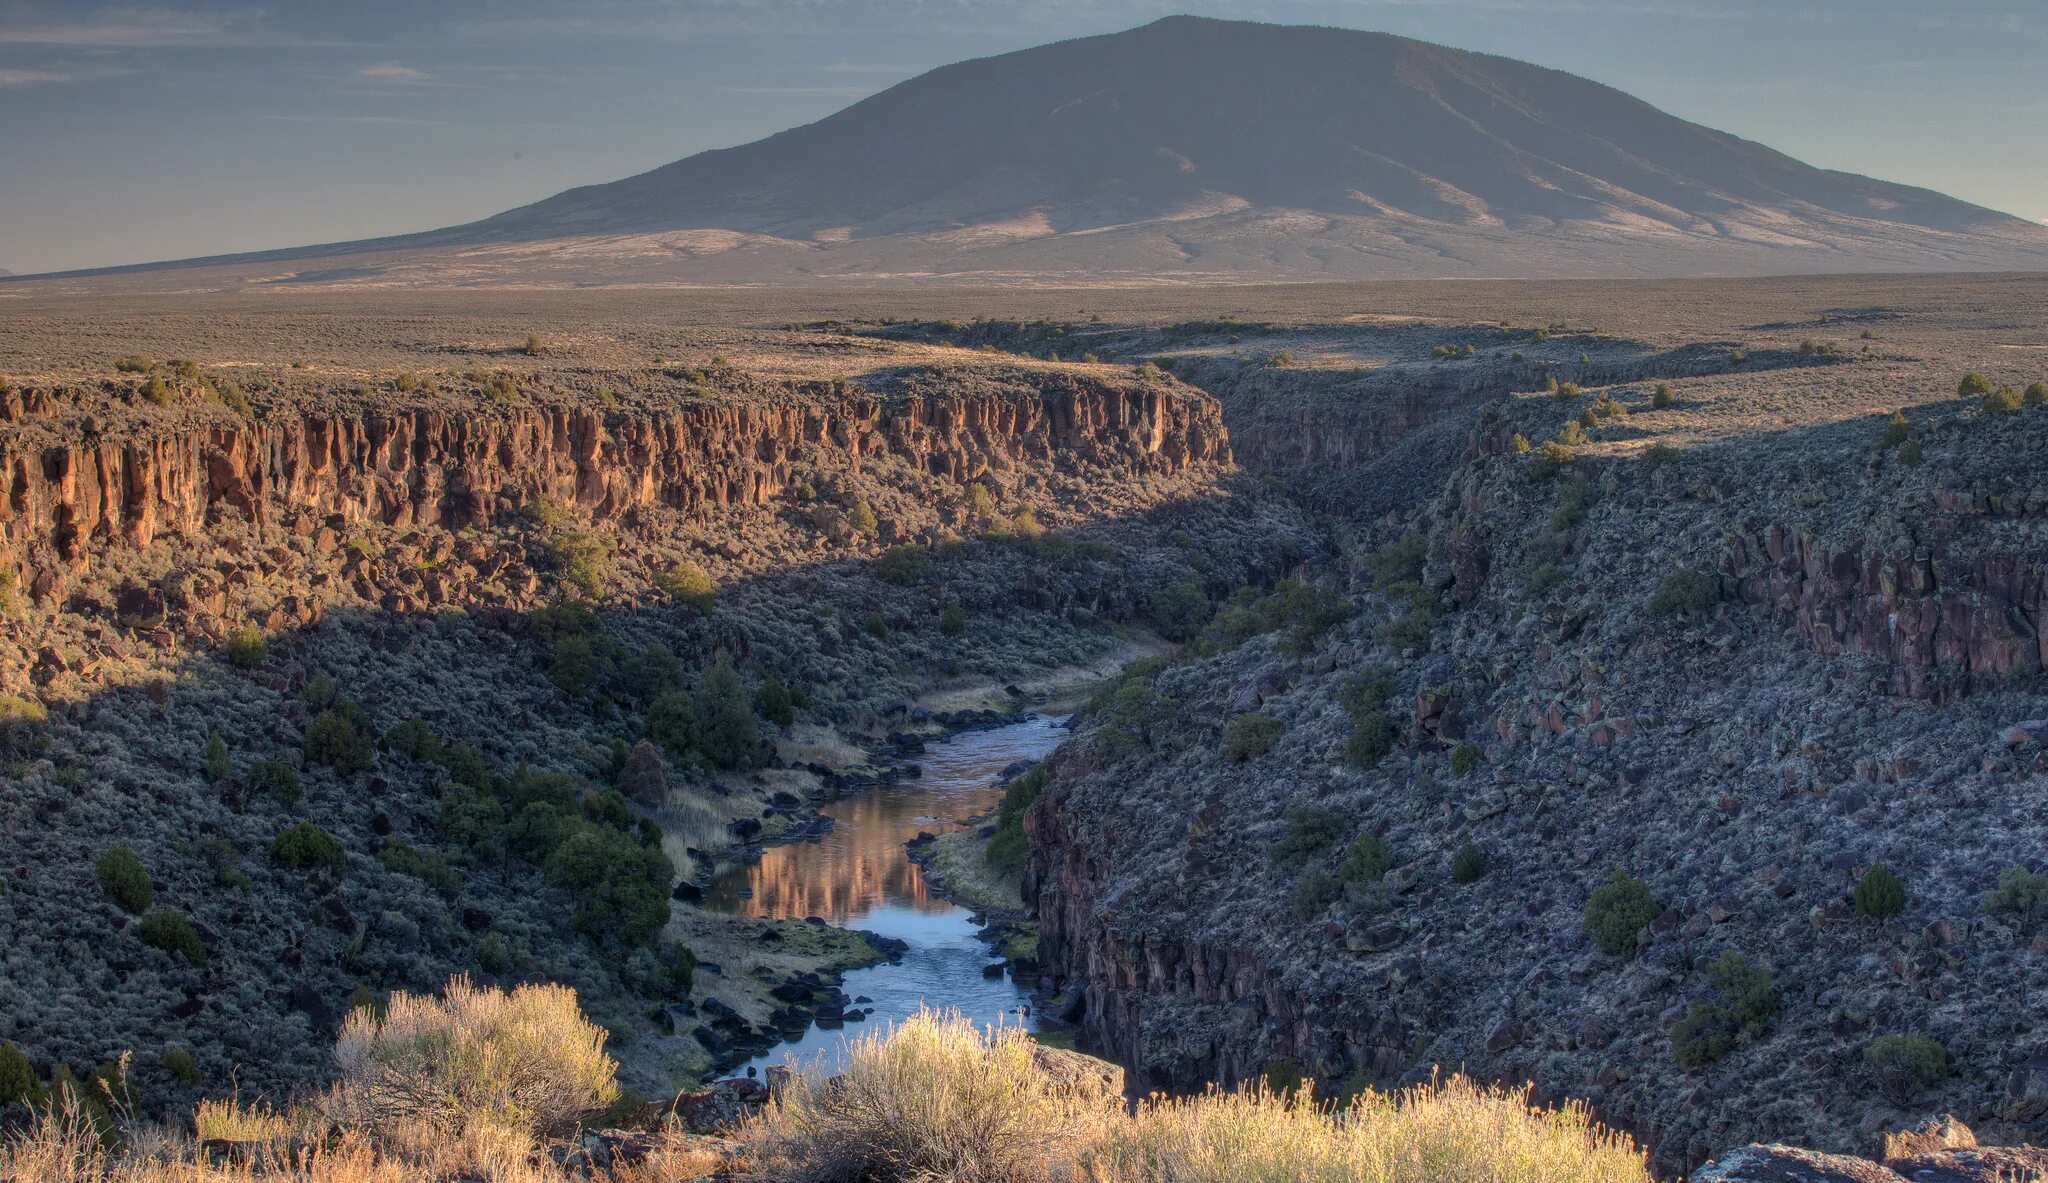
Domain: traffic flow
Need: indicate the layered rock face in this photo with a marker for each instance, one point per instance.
(1945, 619)
(459, 468)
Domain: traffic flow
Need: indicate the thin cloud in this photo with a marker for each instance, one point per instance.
(392, 72)
(148, 28)
(31, 77)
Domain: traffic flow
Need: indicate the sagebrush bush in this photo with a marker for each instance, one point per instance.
(1616, 911)
(1432, 1133)
(1468, 864)
(1973, 385)
(125, 880)
(525, 1061)
(1465, 757)
(1663, 396)
(935, 1097)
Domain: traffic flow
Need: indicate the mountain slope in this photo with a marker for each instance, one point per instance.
(1205, 149)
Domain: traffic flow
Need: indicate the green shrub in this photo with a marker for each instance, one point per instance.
(1518, 444)
(167, 929)
(1366, 860)
(156, 390)
(952, 618)
(219, 765)
(1704, 1035)
(1313, 893)
(276, 778)
(1464, 758)
(876, 626)
(621, 886)
(2036, 394)
(583, 559)
(415, 740)
(1745, 989)
(1180, 610)
(903, 564)
(672, 722)
(1410, 630)
(1571, 435)
(18, 1082)
(1398, 562)
(133, 364)
(125, 880)
(424, 865)
(728, 735)
(303, 844)
(1880, 893)
(689, 584)
(2020, 892)
(1468, 864)
(1663, 396)
(1366, 691)
(1008, 846)
(1371, 739)
(575, 665)
(1574, 498)
(1973, 385)
(773, 701)
(862, 518)
(1910, 453)
(334, 739)
(2003, 401)
(1906, 1065)
(533, 347)
(1310, 831)
(245, 646)
(1616, 911)
(1897, 430)
(180, 1064)
(1685, 593)
(1250, 736)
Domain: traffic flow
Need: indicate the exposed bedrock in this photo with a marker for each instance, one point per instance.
(465, 467)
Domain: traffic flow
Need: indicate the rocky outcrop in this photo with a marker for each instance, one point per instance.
(1940, 1151)
(464, 467)
(1946, 619)
(1114, 979)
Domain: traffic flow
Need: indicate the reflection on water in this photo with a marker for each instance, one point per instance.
(860, 876)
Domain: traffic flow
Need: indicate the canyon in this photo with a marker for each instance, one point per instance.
(1471, 502)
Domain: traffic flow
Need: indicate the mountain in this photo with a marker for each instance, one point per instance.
(1204, 149)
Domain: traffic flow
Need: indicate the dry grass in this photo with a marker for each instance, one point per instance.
(522, 1063)
(933, 1098)
(1455, 1130)
(938, 1098)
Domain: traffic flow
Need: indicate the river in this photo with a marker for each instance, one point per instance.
(860, 876)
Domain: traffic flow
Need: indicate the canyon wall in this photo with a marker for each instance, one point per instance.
(461, 467)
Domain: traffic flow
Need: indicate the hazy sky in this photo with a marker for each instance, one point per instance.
(132, 133)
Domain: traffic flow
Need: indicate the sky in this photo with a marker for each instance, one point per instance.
(133, 133)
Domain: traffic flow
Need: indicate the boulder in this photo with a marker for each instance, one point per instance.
(1787, 1164)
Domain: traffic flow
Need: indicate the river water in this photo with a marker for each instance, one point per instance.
(860, 876)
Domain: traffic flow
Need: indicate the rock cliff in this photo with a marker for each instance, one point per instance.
(463, 467)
